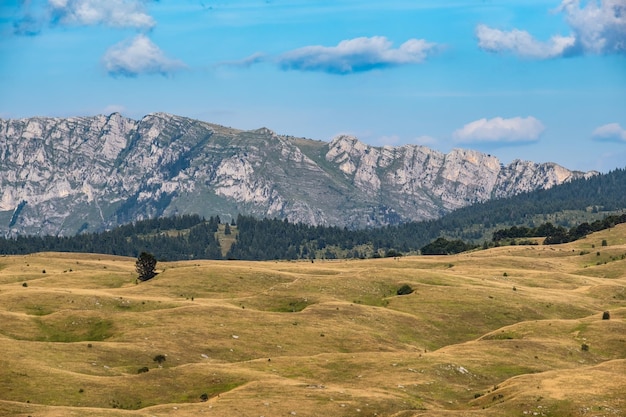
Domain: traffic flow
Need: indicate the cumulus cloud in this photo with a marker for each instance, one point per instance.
(356, 55)
(597, 27)
(612, 132)
(116, 13)
(499, 130)
(522, 43)
(136, 56)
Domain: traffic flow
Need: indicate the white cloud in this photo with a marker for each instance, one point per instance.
(597, 27)
(137, 56)
(499, 130)
(521, 43)
(116, 13)
(610, 132)
(356, 55)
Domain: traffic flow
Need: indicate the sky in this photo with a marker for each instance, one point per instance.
(538, 80)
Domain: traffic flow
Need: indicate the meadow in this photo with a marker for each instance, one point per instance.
(509, 331)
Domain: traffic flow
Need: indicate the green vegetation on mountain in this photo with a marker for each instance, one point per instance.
(565, 213)
(569, 204)
(556, 235)
(171, 238)
(443, 246)
(110, 170)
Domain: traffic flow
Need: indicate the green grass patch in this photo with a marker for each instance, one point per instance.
(75, 329)
(293, 305)
(37, 310)
(503, 335)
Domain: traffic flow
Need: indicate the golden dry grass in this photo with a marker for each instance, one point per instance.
(511, 331)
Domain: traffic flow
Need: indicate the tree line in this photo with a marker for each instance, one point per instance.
(193, 237)
(168, 238)
(558, 234)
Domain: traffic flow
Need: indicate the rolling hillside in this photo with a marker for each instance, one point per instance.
(509, 331)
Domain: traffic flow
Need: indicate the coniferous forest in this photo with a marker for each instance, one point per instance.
(193, 237)
(170, 238)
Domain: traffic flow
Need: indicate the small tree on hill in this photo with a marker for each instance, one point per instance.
(404, 290)
(227, 229)
(145, 266)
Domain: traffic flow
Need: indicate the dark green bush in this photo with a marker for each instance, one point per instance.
(404, 290)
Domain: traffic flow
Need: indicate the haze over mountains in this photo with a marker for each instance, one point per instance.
(64, 176)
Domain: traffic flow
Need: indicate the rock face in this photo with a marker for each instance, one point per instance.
(63, 176)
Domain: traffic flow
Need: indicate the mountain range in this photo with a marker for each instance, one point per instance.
(62, 176)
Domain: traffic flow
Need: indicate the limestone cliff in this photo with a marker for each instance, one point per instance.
(63, 176)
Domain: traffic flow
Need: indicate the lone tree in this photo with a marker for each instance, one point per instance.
(145, 266)
(404, 290)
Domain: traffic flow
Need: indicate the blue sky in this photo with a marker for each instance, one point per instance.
(540, 80)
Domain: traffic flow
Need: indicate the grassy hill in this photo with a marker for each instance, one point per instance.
(509, 331)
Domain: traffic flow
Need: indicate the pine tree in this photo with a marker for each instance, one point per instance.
(145, 266)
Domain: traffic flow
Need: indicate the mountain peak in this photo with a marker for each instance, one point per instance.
(65, 175)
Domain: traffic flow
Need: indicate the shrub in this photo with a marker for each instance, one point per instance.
(204, 397)
(25, 284)
(404, 290)
(142, 370)
(584, 347)
(159, 359)
(606, 315)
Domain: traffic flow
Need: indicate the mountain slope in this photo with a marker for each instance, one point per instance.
(62, 176)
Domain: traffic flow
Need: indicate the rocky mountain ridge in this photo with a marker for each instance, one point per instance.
(65, 176)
